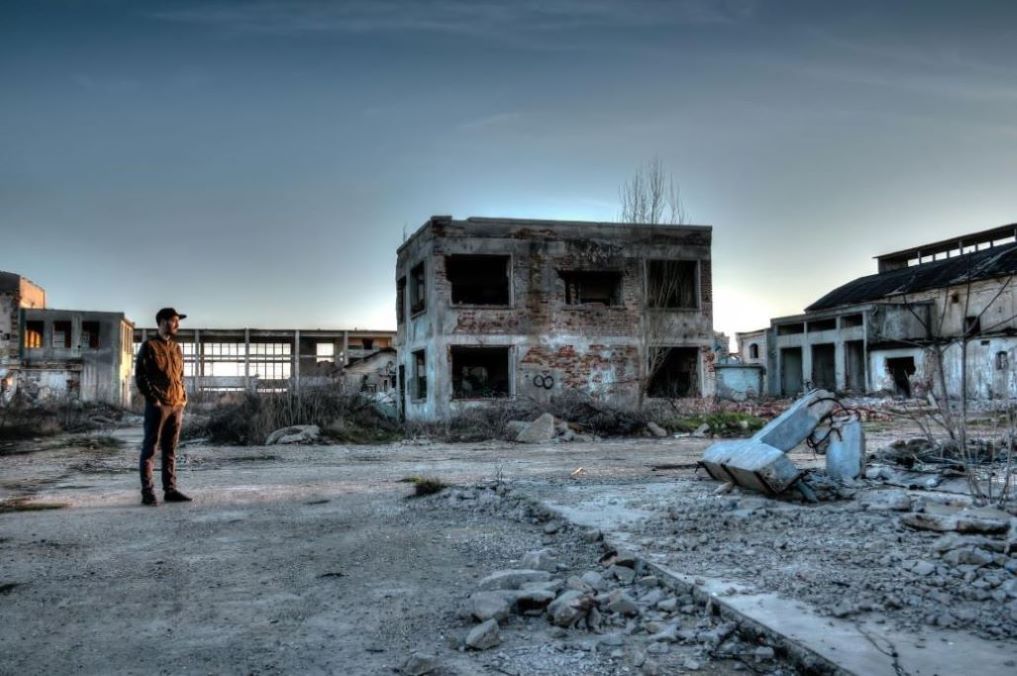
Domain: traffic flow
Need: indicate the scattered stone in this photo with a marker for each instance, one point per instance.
(540, 559)
(419, 664)
(924, 568)
(658, 431)
(540, 431)
(595, 580)
(569, 608)
(483, 636)
(692, 665)
(295, 434)
(619, 602)
(512, 579)
(552, 527)
(624, 574)
(487, 605)
(763, 653)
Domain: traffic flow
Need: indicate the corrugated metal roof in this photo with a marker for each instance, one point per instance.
(986, 264)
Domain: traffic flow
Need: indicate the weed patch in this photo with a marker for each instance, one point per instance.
(424, 485)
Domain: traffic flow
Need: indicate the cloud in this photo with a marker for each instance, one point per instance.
(459, 17)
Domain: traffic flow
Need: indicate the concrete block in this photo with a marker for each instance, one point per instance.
(751, 464)
(845, 455)
(540, 431)
(795, 424)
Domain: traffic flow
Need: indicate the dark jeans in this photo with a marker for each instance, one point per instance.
(162, 429)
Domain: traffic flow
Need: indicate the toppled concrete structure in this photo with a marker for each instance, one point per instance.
(761, 464)
(495, 308)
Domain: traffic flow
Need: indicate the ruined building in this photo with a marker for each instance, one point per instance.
(490, 308)
(908, 328)
(279, 360)
(60, 354)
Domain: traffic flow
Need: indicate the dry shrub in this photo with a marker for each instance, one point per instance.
(23, 418)
(424, 485)
(341, 417)
(596, 416)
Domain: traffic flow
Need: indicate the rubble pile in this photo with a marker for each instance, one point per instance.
(888, 553)
(545, 429)
(616, 606)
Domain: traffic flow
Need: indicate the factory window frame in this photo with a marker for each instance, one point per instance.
(480, 372)
(1002, 361)
(33, 335)
(90, 335)
(324, 353)
(420, 374)
(478, 279)
(586, 287)
(418, 288)
(61, 334)
(672, 284)
(753, 351)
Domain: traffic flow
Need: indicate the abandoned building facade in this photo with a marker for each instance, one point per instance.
(61, 354)
(929, 314)
(282, 360)
(491, 308)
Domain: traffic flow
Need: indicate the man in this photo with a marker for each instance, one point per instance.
(159, 375)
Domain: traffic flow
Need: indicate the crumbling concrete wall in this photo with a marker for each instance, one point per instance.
(551, 343)
(96, 368)
(739, 382)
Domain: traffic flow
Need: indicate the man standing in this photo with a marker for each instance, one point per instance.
(159, 375)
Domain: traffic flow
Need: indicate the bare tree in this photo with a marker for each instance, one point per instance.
(652, 195)
(937, 341)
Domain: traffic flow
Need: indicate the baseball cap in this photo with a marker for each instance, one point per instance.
(166, 313)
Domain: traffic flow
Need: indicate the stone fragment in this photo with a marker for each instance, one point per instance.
(845, 454)
(763, 653)
(540, 559)
(540, 431)
(624, 574)
(483, 636)
(619, 602)
(656, 430)
(924, 568)
(552, 527)
(569, 608)
(514, 427)
(487, 605)
(295, 434)
(594, 579)
(419, 664)
(530, 600)
(512, 579)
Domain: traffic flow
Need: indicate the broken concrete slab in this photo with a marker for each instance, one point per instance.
(540, 431)
(512, 579)
(794, 425)
(483, 636)
(295, 434)
(656, 430)
(751, 464)
(845, 455)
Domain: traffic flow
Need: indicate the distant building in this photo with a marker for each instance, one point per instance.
(48, 354)
(275, 360)
(493, 308)
(886, 332)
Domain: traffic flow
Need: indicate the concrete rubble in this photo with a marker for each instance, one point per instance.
(761, 463)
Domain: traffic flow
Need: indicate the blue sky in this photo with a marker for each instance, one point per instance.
(257, 163)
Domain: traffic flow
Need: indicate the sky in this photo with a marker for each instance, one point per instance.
(258, 163)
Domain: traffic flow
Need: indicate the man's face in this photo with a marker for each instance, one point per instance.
(170, 326)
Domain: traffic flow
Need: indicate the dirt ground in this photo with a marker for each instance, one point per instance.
(313, 559)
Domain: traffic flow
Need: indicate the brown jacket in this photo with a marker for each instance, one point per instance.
(159, 372)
